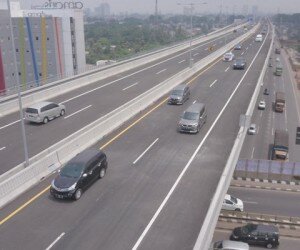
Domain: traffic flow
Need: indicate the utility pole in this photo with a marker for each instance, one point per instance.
(191, 5)
(16, 76)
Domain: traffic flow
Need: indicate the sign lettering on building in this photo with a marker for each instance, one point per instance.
(60, 5)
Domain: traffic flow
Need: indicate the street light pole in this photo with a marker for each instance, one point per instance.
(191, 25)
(16, 76)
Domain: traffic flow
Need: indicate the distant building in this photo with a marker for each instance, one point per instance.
(103, 10)
(49, 44)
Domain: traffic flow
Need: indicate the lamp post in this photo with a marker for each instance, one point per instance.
(191, 5)
(16, 76)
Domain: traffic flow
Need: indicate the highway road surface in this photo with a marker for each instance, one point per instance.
(159, 182)
(286, 243)
(263, 201)
(89, 103)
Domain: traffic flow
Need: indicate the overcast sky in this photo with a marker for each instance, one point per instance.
(171, 6)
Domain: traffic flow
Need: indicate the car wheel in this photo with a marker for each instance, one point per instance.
(237, 210)
(102, 173)
(269, 245)
(78, 194)
(45, 120)
(62, 112)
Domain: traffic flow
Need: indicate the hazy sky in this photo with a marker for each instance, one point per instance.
(171, 6)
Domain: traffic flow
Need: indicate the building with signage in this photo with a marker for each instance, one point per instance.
(49, 44)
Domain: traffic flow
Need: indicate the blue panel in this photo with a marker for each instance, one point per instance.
(36, 75)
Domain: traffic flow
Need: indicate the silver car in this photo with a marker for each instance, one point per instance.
(43, 112)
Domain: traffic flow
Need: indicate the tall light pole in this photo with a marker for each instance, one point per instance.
(16, 77)
(191, 5)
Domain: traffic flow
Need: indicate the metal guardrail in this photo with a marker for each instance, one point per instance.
(260, 218)
(9, 105)
(51, 159)
(206, 233)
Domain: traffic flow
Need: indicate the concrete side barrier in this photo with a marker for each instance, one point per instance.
(50, 159)
(58, 88)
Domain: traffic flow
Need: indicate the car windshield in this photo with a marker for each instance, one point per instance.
(233, 199)
(31, 110)
(72, 170)
(177, 92)
(190, 116)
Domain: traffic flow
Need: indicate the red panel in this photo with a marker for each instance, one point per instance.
(2, 78)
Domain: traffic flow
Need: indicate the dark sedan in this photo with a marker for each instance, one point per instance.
(78, 174)
(239, 63)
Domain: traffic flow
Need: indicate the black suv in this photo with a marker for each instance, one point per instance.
(179, 94)
(78, 174)
(263, 235)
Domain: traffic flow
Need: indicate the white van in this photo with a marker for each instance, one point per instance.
(259, 38)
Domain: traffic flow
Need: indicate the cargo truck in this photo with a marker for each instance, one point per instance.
(280, 150)
(279, 101)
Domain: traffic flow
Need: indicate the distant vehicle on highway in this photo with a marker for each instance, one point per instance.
(277, 59)
(238, 47)
(239, 63)
(279, 101)
(262, 105)
(252, 129)
(179, 94)
(266, 91)
(228, 57)
(232, 203)
(277, 51)
(260, 235)
(280, 150)
(278, 70)
(78, 174)
(43, 112)
(193, 118)
(229, 245)
(259, 38)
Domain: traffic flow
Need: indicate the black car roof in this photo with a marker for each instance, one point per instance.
(267, 228)
(86, 155)
(181, 86)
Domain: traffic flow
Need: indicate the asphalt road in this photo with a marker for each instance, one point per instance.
(259, 146)
(285, 242)
(264, 201)
(159, 201)
(89, 103)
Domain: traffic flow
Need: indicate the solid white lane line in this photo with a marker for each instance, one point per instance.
(196, 54)
(252, 153)
(2, 148)
(213, 83)
(130, 86)
(164, 202)
(242, 53)
(147, 149)
(157, 73)
(227, 69)
(66, 117)
(181, 61)
(12, 123)
(56, 240)
(194, 101)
